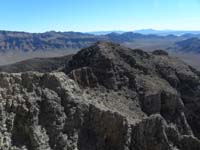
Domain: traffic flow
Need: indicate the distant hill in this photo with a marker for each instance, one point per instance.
(105, 32)
(130, 36)
(188, 45)
(151, 31)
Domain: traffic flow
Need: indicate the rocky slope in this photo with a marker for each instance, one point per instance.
(38, 64)
(108, 98)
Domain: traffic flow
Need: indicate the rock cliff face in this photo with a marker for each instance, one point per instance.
(108, 98)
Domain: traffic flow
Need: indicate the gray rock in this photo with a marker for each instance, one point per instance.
(109, 98)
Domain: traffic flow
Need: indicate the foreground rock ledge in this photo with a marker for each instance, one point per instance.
(109, 98)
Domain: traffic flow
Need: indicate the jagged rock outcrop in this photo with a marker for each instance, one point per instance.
(109, 98)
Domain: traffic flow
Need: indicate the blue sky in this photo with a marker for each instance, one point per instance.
(98, 15)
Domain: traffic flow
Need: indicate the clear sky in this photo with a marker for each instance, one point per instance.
(98, 15)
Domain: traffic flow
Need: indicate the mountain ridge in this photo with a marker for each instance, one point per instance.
(23, 41)
(108, 97)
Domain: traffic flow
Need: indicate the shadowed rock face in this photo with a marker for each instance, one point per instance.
(109, 98)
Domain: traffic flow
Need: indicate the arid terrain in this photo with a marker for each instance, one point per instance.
(100, 75)
(20, 46)
(105, 97)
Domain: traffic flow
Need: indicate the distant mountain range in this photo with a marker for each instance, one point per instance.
(105, 32)
(151, 31)
(166, 32)
(22, 41)
(48, 41)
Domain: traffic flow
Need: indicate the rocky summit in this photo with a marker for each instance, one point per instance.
(107, 97)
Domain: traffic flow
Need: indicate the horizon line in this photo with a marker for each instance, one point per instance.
(93, 31)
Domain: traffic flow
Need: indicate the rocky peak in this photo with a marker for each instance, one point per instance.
(163, 84)
(108, 62)
(109, 98)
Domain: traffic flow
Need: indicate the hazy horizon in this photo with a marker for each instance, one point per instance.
(170, 30)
